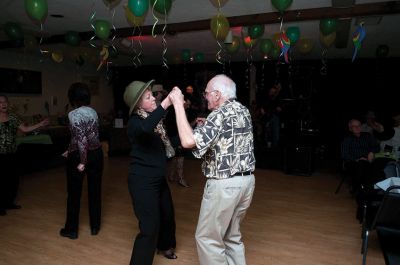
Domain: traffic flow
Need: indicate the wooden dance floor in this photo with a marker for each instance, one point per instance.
(293, 220)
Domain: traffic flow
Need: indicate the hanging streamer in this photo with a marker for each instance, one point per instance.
(164, 33)
(284, 43)
(324, 68)
(358, 37)
(91, 19)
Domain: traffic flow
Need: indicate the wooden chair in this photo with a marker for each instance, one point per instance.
(387, 225)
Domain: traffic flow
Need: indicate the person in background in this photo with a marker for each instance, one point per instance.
(9, 179)
(225, 142)
(148, 187)
(357, 151)
(159, 93)
(271, 111)
(84, 156)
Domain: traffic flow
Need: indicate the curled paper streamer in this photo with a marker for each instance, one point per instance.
(284, 44)
(358, 37)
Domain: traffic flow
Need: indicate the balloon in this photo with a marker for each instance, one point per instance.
(327, 40)
(382, 51)
(138, 7)
(256, 31)
(72, 38)
(30, 42)
(162, 6)
(186, 55)
(249, 42)
(111, 3)
(57, 57)
(276, 38)
(36, 9)
(13, 31)
(305, 46)
(132, 19)
(293, 33)
(218, 3)
(234, 46)
(219, 27)
(275, 52)
(102, 29)
(281, 5)
(199, 57)
(327, 25)
(266, 46)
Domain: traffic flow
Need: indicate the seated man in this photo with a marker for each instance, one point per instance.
(358, 153)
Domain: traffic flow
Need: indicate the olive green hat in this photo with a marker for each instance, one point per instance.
(133, 92)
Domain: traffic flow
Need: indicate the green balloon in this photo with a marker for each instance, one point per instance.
(138, 7)
(266, 45)
(36, 9)
(327, 26)
(102, 29)
(199, 57)
(382, 51)
(162, 6)
(293, 33)
(186, 55)
(13, 31)
(234, 46)
(72, 38)
(281, 5)
(275, 52)
(256, 31)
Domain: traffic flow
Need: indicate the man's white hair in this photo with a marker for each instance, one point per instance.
(224, 85)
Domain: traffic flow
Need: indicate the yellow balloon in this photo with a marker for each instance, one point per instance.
(57, 57)
(219, 27)
(132, 19)
(304, 46)
(327, 40)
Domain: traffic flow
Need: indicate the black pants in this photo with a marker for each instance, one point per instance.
(93, 170)
(152, 203)
(9, 179)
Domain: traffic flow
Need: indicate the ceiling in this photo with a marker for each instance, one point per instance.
(188, 27)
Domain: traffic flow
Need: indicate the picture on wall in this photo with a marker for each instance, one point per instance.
(18, 81)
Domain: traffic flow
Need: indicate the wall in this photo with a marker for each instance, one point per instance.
(56, 79)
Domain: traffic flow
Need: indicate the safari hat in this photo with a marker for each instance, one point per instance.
(133, 92)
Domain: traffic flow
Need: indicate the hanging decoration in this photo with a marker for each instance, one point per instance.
(30, 43)
(37, 10)
(284, 44)
(327, 26)
(199, 57)
(72, 38)
(57, 56)
(256, 31)
(293, 33)
(234, 46)
(111, 4)
(304, 46)
(162, 7)
(104, 54)
(137, 23)
(220, 28)
(358, 38)
(327, 40)
(138, 7)
(281, 5)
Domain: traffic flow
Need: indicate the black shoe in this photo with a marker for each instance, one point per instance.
(13, 206)
(3, 212)
(169, 254)
(94, 231)
(70, 234)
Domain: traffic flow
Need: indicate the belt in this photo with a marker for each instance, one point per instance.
(246, 173)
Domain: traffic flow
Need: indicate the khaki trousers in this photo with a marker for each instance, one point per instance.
(224, 205)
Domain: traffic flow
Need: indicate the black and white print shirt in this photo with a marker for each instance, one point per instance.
(225, 141)
(84, 126)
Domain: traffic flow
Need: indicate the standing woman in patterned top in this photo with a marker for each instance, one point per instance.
(9, 179)
(84, 155)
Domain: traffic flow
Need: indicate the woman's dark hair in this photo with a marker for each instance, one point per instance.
(79, 95)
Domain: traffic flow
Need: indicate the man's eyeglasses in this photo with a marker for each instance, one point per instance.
(205, 93)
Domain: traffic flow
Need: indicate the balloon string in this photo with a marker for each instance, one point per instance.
(218, 56)
(140, 48)
(133, 49)
(114, 32)
(164, 41)
(91, 19)
(41, 39)
(156, 21)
